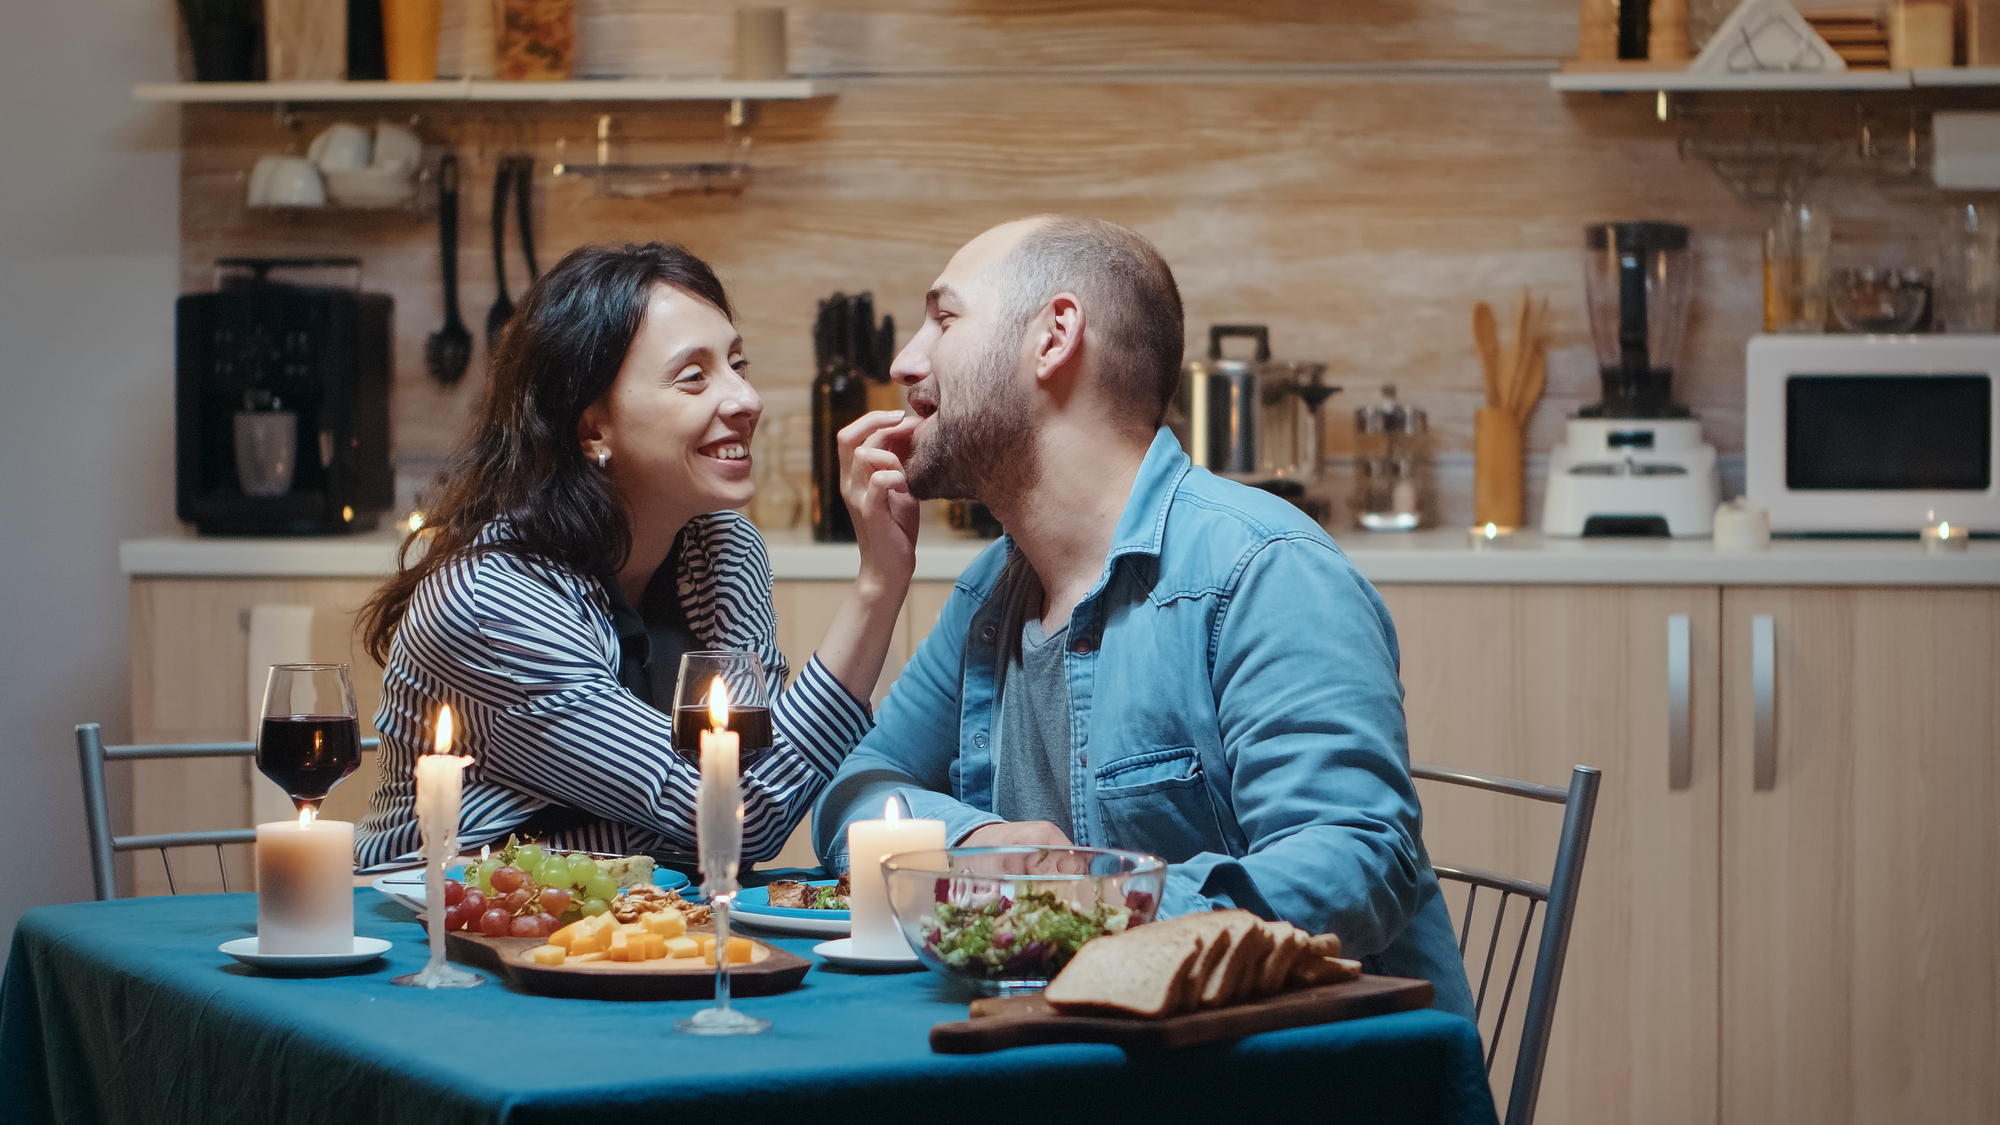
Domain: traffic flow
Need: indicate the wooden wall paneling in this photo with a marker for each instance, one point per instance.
(189, 685)
(1861, 946)
(1527, 682)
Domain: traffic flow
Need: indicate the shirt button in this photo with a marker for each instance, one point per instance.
(1083, 646)
(986, 634)
(979, 740)
(1083, 760)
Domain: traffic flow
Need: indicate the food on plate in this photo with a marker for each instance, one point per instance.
(637, 902)
(526, 890)
(548, 955)
(994, 936)
(788, 895)
(740, 949)
(1195, 962)
(666, 923)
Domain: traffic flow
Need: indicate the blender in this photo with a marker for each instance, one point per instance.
(1634, 464)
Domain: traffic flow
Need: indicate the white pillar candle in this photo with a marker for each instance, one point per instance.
(871, 924)
(719, 799)
(305, 886)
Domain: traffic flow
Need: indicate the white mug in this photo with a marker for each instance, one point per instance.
(397, 147)
(286, 181)
(343, 147)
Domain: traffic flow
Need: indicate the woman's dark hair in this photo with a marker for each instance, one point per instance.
(523, 462)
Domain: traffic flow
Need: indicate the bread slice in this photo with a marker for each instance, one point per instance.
(1138, 973)
(1248, 945)
(1287, 946)
(1311, 971)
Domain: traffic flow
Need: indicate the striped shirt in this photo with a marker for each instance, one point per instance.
(527, 656)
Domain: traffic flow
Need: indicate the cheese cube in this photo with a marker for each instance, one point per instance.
(548, 955)
(563, 936)
(649, 947)
(739, 951)
(666, 923)
(621, 946)
(683, 947)
(630, 927)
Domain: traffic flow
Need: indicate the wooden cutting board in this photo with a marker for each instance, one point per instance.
(1028, 1021)
(687, 979)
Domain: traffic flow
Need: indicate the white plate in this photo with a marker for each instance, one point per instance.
(841, 952)
(245, 950)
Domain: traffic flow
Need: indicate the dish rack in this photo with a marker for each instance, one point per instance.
(634, 180)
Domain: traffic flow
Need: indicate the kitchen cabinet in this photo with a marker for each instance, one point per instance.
(190, 682)
(1825, 948)
(1861, 873)
(1526, 681)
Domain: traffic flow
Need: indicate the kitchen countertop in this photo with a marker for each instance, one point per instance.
(1420, 557)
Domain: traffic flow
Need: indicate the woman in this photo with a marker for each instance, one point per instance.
(583, 543)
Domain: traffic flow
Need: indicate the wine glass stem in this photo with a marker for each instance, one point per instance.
(721, 910)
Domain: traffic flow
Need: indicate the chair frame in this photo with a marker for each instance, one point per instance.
(1558, 896)
(93, 753)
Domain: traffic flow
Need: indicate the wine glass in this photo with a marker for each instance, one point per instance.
(310, 739)
(729, 687)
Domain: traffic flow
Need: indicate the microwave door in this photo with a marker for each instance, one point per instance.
(1889, 433)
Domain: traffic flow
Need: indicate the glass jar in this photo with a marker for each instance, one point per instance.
(1968, 279)
(1389, 440)
(1795, 271)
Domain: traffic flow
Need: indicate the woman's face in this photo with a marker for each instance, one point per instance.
(678, 418)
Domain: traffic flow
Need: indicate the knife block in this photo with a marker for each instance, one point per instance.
(1496, 468)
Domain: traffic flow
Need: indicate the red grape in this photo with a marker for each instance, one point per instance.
(527, 925)
(454, 892)
(515, 901)
(475, 903)
(555, 900)
(454, 918)
(508, 878)
(549, 923)
(496, 922)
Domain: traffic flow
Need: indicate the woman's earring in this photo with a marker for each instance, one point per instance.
(603, 458)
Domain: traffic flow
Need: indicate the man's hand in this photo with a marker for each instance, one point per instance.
(1039, 833)
(885, 514)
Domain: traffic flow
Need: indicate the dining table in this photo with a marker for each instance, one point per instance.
(125, 1011)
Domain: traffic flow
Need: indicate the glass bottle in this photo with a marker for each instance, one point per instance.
(1968, 268)
(1796, 248)
(1388, 462)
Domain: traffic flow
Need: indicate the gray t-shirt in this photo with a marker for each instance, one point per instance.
(1032, 740)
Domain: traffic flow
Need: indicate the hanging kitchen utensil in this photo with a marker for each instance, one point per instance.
(503, 305)
(524, 211)
(448, 351)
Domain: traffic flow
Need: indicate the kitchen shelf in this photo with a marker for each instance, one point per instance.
(476, 90)
(1638, 81)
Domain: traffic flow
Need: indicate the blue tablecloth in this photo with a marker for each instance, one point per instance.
(125, 1012)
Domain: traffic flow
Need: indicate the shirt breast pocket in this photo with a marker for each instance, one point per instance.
(1158, 802)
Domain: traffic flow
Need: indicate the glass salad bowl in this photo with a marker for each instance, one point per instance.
(1007, 919)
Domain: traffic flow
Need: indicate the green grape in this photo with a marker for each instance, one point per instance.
(485, 872)
(581, 868)
(528, 857)
(602, 885)
(554, 872)
(592, 907)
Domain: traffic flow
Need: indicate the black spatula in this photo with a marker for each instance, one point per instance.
(449, 350)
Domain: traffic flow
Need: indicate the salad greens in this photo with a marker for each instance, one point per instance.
(996, 937)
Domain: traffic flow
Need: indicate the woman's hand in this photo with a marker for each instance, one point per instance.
(885, 514)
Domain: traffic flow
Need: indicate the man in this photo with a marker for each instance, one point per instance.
(1154, 658)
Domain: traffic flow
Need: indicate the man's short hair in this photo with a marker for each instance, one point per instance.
(1130, 303)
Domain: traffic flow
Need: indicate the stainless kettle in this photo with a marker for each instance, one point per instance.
(1250, 420)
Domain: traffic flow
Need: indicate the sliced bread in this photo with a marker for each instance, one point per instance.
(1138, 973)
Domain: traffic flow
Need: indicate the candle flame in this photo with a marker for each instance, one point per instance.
(718, 705)
(1492, 531)
(305, 817)
(889, 812)
(443, 744)
(1944, 530)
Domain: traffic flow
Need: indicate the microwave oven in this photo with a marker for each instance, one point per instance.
(1873, 435)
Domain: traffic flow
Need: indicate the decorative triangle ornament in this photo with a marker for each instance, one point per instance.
(1766, 37)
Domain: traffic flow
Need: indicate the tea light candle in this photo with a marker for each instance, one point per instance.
(1945, 536)
(1488, 537)
(871, 924)
(305, 886)
(1742, 526)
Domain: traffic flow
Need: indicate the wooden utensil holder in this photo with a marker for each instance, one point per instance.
(1496, 468)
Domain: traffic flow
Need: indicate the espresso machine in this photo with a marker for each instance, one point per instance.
(281, 400)
(1635, 463)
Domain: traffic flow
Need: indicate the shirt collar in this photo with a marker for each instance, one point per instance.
(1142, 527)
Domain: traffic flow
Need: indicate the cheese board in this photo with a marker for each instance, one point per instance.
(1001, 1022)
(771, 971)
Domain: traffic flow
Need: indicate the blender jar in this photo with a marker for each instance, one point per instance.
(1637, 278)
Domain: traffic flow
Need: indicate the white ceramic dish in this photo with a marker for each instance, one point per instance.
(754, 910)
(841, 952)
(366, 949)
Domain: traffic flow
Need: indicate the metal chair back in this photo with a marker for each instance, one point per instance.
(1557, 898)
(104, 847)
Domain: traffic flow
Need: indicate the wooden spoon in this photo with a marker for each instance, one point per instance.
(1486, 334)
(1517, 373)
(1538, 371)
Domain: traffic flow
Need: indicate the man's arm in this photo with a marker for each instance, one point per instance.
(913, 748)
(1311, 718)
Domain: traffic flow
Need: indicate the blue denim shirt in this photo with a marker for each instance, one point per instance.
(1237, 711)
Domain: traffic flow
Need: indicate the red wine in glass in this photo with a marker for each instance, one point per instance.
(751, 724)
(307, 755)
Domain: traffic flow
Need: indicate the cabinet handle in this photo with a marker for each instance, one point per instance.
(1680, 751)
(1763, 691)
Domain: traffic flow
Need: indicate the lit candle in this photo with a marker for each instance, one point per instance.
(1488, 536)
(440, 783)
(1942, 535)
(871, 924)
(719, 799)
(305, 885)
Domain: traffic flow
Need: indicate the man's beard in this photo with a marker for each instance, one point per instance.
(985, 449)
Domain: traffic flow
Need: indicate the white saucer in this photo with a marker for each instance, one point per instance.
(245, 950)
(841, 952)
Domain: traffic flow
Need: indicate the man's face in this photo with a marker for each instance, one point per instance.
(963, 368)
